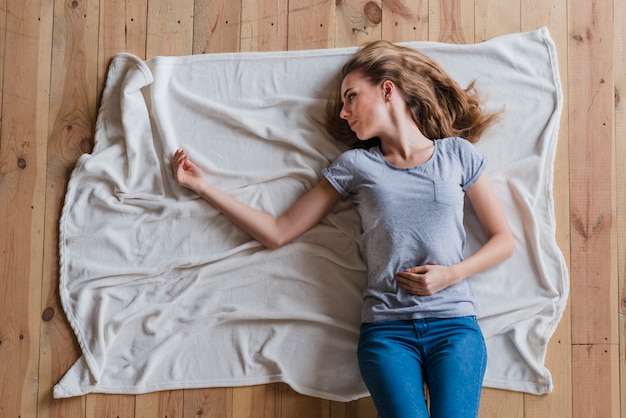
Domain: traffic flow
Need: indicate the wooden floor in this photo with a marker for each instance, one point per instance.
(53, 59)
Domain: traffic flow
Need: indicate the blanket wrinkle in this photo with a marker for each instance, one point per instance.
(164, 292)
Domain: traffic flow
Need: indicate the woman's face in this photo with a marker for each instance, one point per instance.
(362, 104)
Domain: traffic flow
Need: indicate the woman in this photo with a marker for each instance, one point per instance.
(408, 175)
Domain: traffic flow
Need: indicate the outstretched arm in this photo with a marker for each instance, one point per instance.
(430, 279)
(272, 232)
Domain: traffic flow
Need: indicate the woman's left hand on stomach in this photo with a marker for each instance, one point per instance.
(425, 280)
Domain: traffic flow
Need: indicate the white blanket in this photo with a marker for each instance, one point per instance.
(163, 292)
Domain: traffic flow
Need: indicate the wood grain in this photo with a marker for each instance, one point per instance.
(592, 162)
(355, 24)
(160, 404)
(494, 18)
(72, 114)
(311, 24)
(405, 20)
(593, 218)
(264, 25)
(600, 364)
(170, 28)
(22, 204)
(3, 30)
(619, 61)
(216, 26)
(451, 21)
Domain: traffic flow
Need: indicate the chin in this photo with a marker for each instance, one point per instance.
(364, 138)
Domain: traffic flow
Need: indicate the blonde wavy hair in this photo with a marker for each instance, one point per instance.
(438, 105)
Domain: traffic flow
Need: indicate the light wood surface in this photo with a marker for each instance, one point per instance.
(53, 61)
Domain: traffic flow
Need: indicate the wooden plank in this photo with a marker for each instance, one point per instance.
(208, 402)
(108, 406)
(553, 14)
(361, 408)
(451, 21)
(591, 98)
(405, 20)
(264, 25)
(22, 201)
(72, 116)
(619, 62)
(73, 91)
(357, 22)
(45, 406)
(256, 401)
(292, 404)
(599, 363)
(216, 26)
(122, 29)
(3, 30)
(170, 27)
(166, 404)
(501, 403)
(311, 24)
(495, 17)
(593, 255)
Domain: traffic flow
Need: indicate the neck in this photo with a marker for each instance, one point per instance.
(403, 144)
(405, 141)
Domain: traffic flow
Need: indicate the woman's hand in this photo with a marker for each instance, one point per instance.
(186, 173)
(426, 280)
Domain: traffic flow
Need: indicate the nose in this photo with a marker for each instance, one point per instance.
(343, 114)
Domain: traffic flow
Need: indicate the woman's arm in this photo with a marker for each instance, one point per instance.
(428, 280)
(490, 214)
(272, 232)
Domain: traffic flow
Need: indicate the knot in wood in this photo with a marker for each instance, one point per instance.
(373, 12)
(48, 314)
(86, 145)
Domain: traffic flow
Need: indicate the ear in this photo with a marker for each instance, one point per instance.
(388, 89)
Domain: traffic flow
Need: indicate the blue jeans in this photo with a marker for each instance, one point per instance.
(448, 356)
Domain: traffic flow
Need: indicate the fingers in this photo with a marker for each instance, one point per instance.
(178, 164)
(180, 160)
(179, 157)
(417, 269)
(426, 280)
(415, 281)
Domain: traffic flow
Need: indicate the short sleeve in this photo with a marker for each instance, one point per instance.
(341, 173)
(473, 163)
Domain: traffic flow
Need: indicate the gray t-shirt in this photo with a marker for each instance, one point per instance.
(410, 217)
